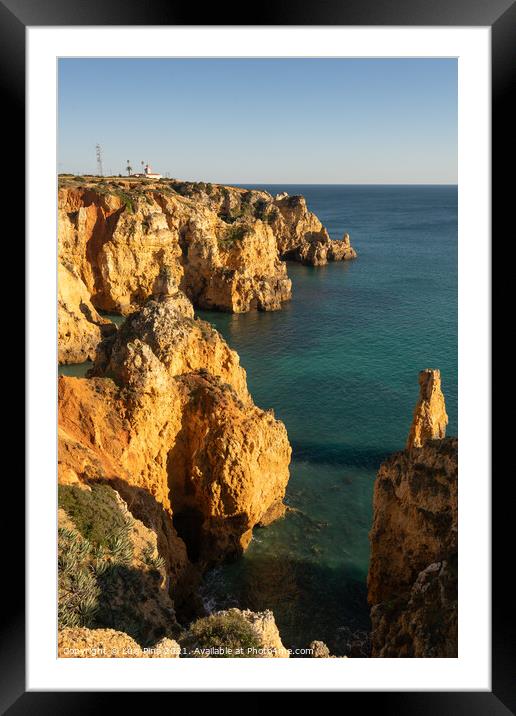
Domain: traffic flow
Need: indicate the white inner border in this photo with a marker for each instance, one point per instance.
(471, 670)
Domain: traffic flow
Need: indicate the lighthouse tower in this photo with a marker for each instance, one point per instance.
(149, 173)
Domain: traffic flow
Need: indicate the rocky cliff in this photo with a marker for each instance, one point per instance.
(80, 328)
(165, 463)
(129, 240)
(302, 237)
(167, 417)
(232, 633)
(412, 581)
(430, 418)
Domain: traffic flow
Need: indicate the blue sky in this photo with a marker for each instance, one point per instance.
(338, 121)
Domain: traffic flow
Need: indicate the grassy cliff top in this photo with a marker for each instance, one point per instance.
(92, 181)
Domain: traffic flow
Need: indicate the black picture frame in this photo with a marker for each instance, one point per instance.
(500, 15)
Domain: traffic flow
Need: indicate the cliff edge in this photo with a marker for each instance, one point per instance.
(165, 413)
(129, 240)
(412, 580)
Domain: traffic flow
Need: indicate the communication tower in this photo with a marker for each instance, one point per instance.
(98, 150)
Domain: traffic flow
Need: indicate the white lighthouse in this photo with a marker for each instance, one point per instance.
(149, 173)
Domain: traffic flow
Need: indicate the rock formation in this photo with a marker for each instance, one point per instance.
(172, 424)
(302, 237)
(163, 430)
(127, 241)
(80, 328)
(84, 643)
(118, 243)
(264, 625)
(430, 418)
(412, 581)
(319, 650)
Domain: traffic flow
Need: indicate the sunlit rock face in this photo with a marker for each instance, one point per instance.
(166, 414)
(412, 581)
(129, 241)
(430, 417)
(80, 328)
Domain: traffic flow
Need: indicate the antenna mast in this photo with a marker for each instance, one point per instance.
(98, 150)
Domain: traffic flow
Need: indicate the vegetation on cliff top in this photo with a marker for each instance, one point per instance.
(98, 584)
(221, 636)
(95, 513)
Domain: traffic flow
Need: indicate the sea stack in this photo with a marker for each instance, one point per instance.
(412, 580)
(430, 418)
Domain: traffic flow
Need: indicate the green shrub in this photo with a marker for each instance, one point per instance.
(127, 201)
(78, 591)
(273, 214)
(230, 633)
(232, 234)
(260, 209)
(97, 585)
(96, 513)
(153, 561)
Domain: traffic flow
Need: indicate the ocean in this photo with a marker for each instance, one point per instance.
(339, 364)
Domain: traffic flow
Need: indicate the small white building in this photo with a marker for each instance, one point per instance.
(149, 174)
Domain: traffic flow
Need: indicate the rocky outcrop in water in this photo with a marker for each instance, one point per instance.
(167, 417)
(302, 237)
(430, 418)
(412, 581)
(128, 241)
(123, 237)
(164, 419)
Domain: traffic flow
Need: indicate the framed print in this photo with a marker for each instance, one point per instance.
(269, 324)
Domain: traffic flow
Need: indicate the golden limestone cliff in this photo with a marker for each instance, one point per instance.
(84, 643)
(80, 327)
(129, 240)
(231, 633)
(412, 581)
(165, 463)
(302, 237)
(166, 417)
(430, 418)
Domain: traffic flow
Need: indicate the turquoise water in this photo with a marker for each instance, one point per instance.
(75, 370)
(79, 370)
(339, 365)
